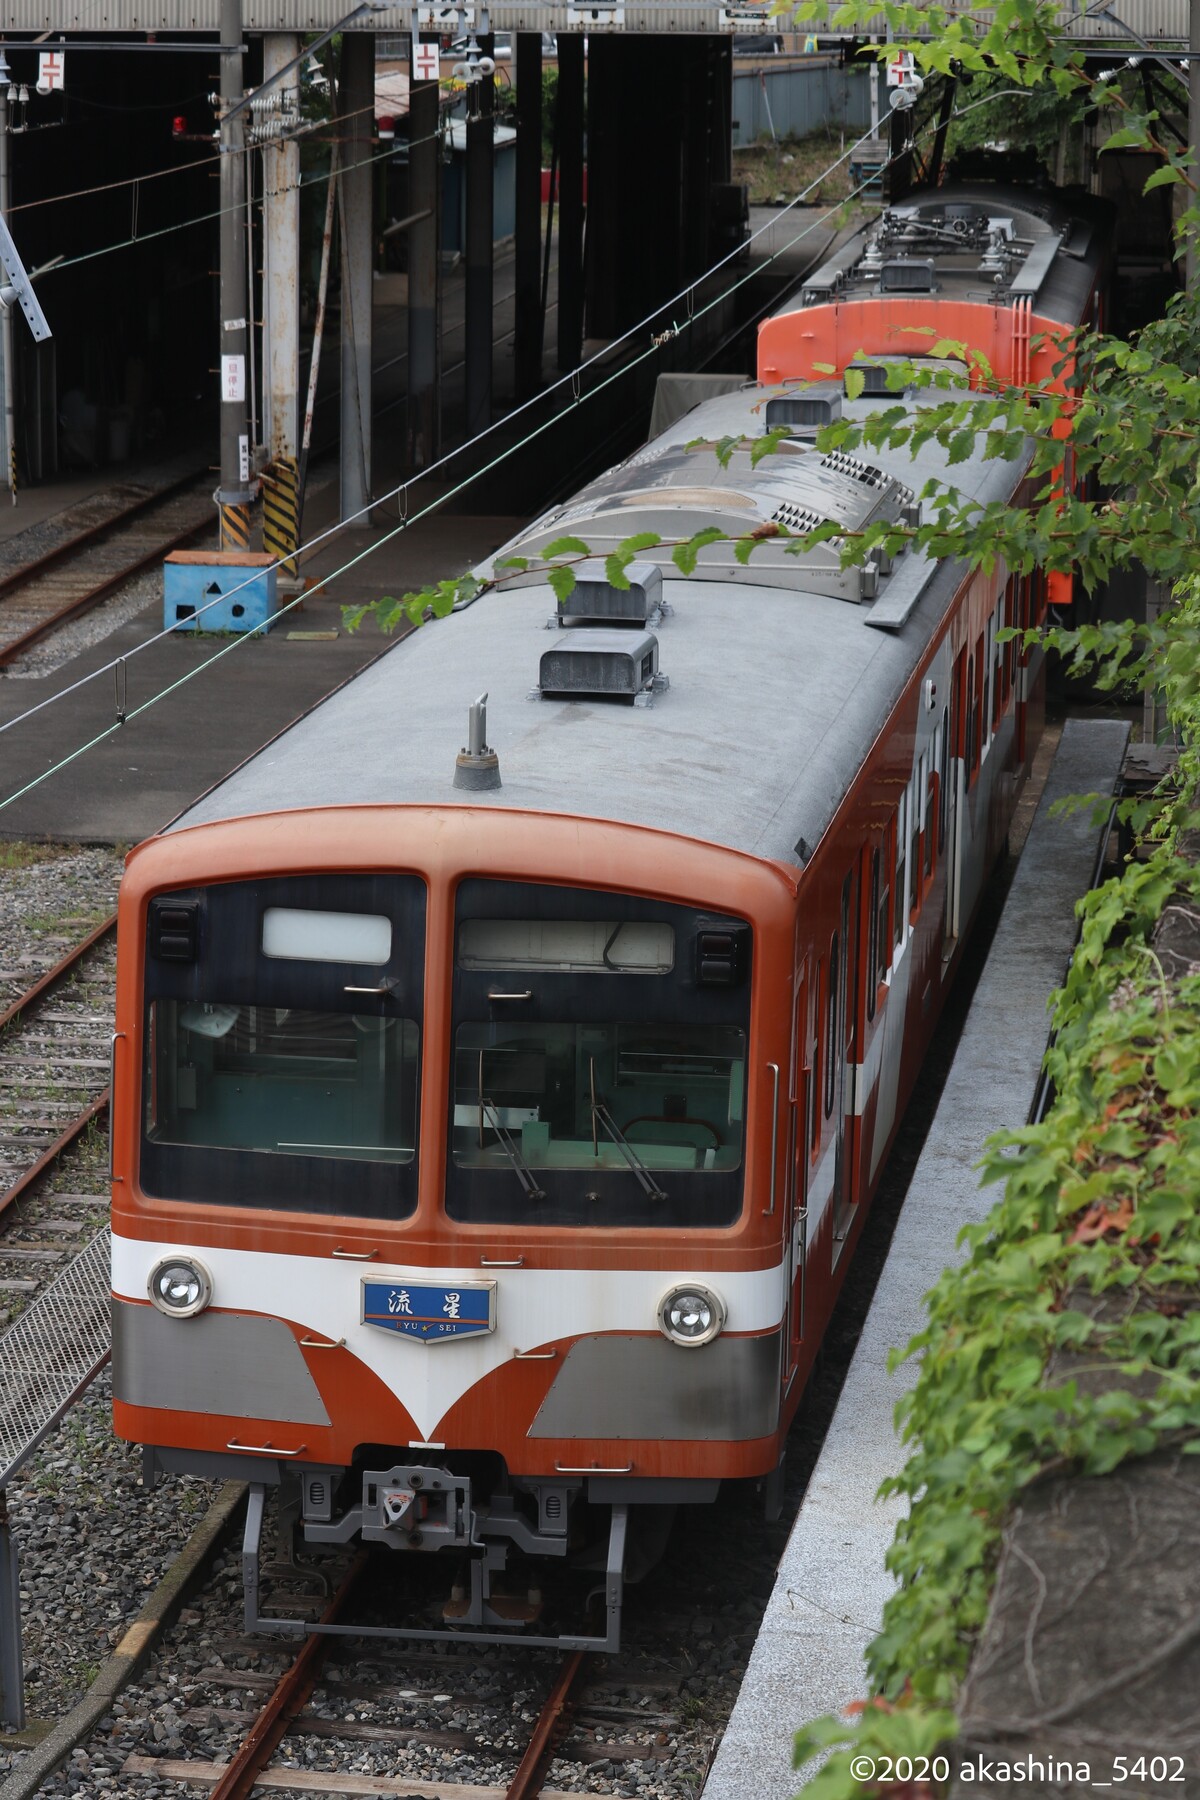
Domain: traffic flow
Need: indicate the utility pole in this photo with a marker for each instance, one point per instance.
(1193, 129)
(235, 492)
(6, 330)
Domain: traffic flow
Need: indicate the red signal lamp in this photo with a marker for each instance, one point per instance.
(386, 126)
(179, 126)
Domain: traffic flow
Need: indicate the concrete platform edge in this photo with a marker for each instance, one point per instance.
(832, 1583)
(127, 1658)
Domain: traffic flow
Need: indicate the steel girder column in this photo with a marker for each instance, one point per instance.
(281, 326)
(281, 323)
(658, 141)
(424, 239)
(235, 492)
(356, 108)
(479, 249)
(572, 125)
(527, 346)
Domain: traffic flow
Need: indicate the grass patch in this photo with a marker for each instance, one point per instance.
(776, 171)
(18, 853)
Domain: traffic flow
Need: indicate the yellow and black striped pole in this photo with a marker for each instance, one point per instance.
(281, 512)
(235, 525)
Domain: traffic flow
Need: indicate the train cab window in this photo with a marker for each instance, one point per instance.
(599, 1059)
(281, 1062)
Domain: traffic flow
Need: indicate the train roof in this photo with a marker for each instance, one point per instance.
(781, 674)
(973, 242)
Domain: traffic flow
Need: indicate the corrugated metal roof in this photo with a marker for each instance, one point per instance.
(1160, 21)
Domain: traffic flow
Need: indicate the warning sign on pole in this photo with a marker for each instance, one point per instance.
(52, 71)
(233, 378)
(426, 62)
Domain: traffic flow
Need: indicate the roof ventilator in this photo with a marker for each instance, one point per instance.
(602, 664)
(799, 520)
(477, 767)
(595, 601)
(803, 415)
(907, 275)
(867, 473)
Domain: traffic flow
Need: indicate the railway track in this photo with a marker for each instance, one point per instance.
(96, 546)
(56, 978)
(510, 1724)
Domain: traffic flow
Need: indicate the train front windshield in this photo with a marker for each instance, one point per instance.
(282, 1044)
(599, 1060)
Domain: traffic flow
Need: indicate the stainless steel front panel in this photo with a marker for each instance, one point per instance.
(229, 1363)
(645, 1387)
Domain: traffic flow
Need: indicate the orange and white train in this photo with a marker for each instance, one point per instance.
(493, 1126)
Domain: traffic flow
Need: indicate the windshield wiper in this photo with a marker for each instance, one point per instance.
(489, 1114)
(601, 1115)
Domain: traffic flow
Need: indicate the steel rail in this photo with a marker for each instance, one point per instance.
(42, 988)
(84, 603)
(528, 1779)
(69, 546)
(291, 1693)
(53, 1151)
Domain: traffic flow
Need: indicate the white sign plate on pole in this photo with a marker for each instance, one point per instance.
(52, 72)
(233, 378)
(426, 62)
(901, 69)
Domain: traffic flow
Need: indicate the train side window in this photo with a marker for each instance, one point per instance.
(814, 1064)
(944, 781)
(914, 839)
(977, 704)
(883, 930)
(1009, 647)
(932, 809)
(997, 666)
(969, 745)
(900, 830)
(830, 1054)
(873, 934)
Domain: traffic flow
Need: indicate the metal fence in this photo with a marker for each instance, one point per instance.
(798, 98)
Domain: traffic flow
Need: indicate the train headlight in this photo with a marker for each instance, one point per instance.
(690, 1314)
(180, 1286)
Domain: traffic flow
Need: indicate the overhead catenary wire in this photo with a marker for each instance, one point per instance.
(569, 380)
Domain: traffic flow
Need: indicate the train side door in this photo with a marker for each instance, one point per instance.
(843, 1073)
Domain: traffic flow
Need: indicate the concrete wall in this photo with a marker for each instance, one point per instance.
(799, 97)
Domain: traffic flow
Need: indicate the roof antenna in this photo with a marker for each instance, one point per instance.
(477, 767)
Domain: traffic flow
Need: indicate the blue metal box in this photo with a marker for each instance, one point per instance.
(219, 590)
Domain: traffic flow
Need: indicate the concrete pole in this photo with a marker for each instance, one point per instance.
(480, 249)
(424, 238)
(1193, 130)
(6, 320)
(356, 109)
(234, 493)
(281, 324)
